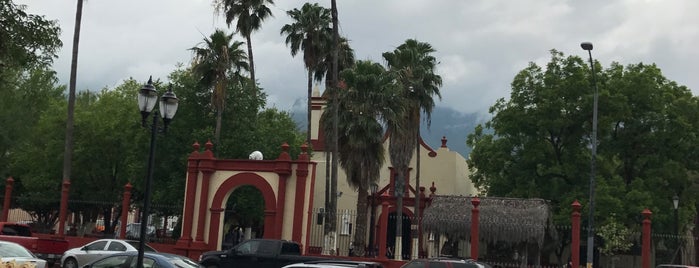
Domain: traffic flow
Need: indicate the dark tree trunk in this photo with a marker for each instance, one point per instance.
(252, 63)
(361, 221)
(68, 149)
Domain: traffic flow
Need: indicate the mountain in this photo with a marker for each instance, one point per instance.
(447, 122)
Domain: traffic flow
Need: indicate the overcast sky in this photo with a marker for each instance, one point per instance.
(480, 45)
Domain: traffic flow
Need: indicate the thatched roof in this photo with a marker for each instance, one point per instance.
(508, 220)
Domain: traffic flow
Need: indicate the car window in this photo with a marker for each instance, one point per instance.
(111, 262)
(147, 263)
(290, 249)
(415, 264)
(12, 250)
(146, 248)
(464, 265)
(438, 264)
(116, 246)
(248, 247)
(99, 245)
(184, 262)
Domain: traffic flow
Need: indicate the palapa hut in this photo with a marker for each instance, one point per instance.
(509, 221)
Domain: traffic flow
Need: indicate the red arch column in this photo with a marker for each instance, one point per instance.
(474, 227)
(383, 228)
(190, 198)
(8, 195)
(125, 202)
(575, 244)
(645, 247)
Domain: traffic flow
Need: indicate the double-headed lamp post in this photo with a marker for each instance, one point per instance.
(147, 97)
(676, 205)
(593, 159)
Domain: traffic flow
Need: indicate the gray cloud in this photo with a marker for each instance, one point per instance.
(481, 45)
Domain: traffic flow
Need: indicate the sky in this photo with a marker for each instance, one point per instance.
(480, 44)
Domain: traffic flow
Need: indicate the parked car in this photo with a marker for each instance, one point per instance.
(13, 252)
(445, 263)
(49, 249)
(258, 253)
(77, 257)
(150, 260)
(336, 264)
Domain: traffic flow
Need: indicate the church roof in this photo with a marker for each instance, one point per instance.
(508, 220)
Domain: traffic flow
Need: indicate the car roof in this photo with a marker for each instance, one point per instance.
(347, 262)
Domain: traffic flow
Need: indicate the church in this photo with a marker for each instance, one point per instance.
(293, 189)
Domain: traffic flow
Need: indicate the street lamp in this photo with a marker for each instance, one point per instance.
(147, 97)
(374, 187)
(676, 205)
(591, 227)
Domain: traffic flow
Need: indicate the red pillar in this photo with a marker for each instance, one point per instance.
(190, 194)
(64, 209)
(125, 203)
(283, 168)
(8, 196)
(575, 245)
(383, 228)
(474, 227)
(645, 247)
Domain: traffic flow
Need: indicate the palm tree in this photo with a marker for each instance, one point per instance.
(309, 33)
(361, 108)
(250, 15)
(218, 61)
(70, 120)
(345, 60)
(414, 67)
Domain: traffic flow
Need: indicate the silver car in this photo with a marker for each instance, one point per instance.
(77, 257)
(13, 252)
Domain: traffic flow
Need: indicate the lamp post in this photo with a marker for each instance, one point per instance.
(676, 205)
(147, 97)
(593, 159)
(374, 188)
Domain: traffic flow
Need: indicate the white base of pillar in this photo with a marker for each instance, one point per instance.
(398, 250)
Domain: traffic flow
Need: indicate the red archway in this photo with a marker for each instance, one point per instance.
(227, 188)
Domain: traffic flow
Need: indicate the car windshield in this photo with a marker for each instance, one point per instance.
(183, 262)
(11, 250)
(145, 248)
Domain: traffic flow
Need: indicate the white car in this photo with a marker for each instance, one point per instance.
(77, 257)
(13, 252)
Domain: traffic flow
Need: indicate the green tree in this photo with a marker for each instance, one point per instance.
(536, 144)
(249, 14)
(415, 69)
(361, 108)
(219, 61)
(28, 40)
(309, 33)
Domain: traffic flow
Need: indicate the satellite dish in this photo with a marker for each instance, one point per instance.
(256, 155)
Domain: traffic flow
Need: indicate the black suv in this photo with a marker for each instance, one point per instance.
(444, 263)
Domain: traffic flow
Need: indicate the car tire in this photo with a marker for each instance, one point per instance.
(70, 263)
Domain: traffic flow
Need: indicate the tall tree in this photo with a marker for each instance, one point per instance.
(218, 61)
(249, 14)
(415, 69)
(68, 150)
(361, 109)
(536, 144)
(28, 40)
(309, 33)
